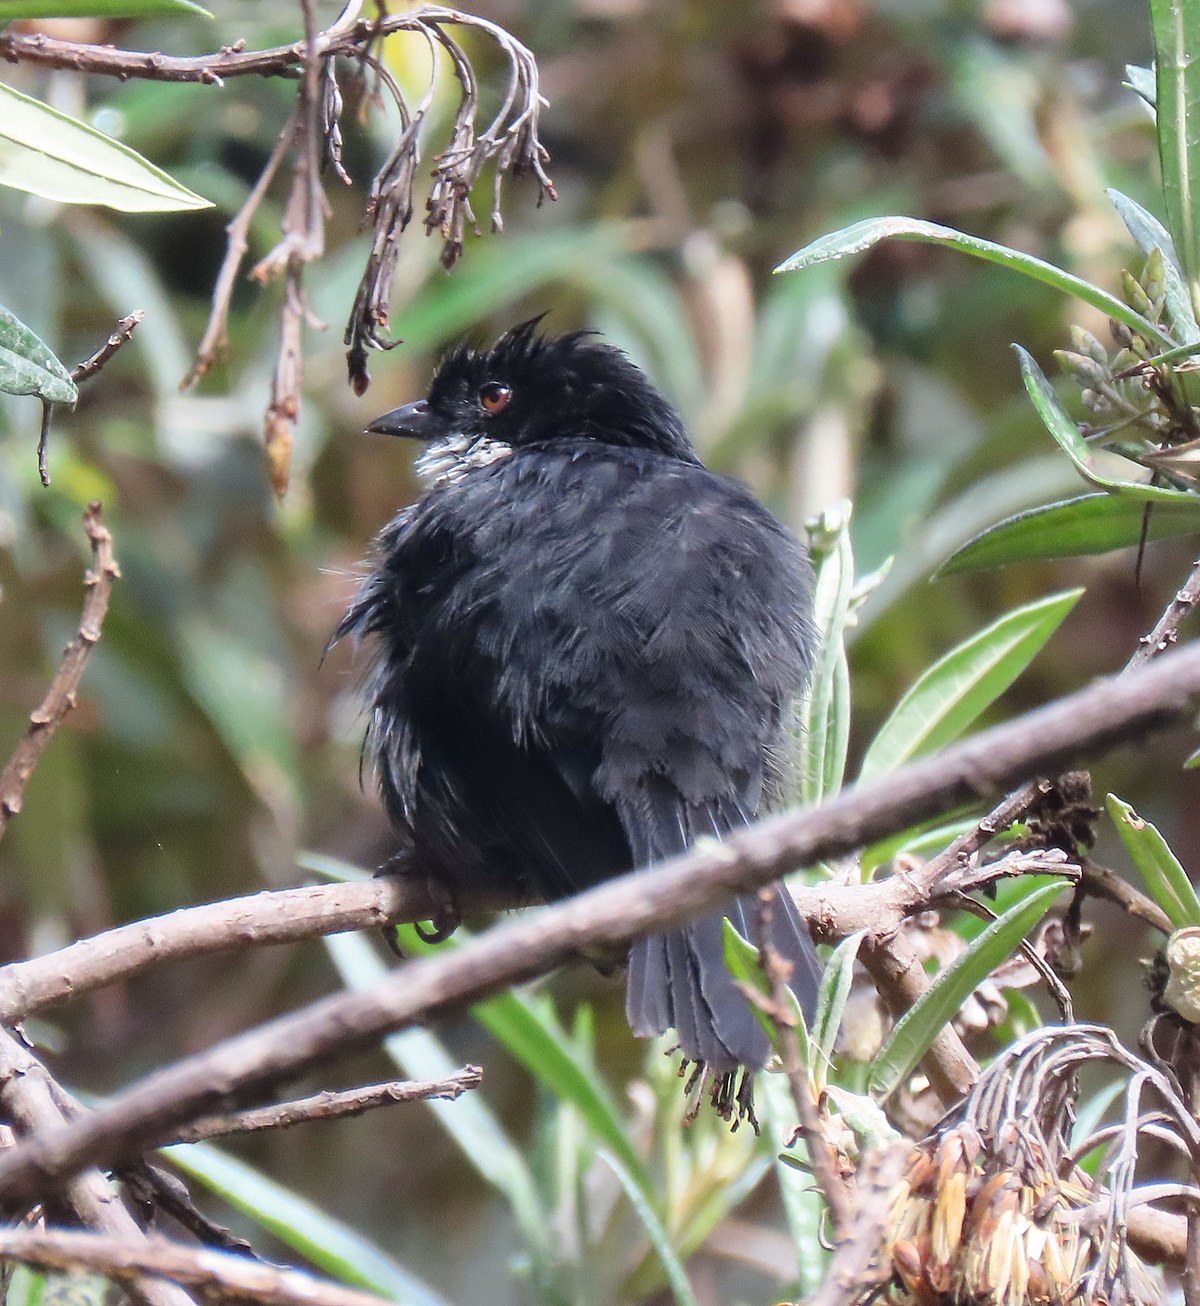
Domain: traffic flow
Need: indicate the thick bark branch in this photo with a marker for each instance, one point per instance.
(235, 1071)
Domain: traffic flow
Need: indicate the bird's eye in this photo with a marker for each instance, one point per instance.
(494, 397)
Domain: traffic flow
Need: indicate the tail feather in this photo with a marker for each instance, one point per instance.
(679, 980)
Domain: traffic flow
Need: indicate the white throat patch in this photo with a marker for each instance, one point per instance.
(447, 461)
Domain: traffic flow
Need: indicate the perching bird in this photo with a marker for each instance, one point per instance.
(585, 646)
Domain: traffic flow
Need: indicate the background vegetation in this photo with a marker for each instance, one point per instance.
(694, 146)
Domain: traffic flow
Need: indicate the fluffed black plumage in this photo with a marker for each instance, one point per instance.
(585, 648)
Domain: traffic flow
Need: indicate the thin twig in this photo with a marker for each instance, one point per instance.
(28, 1102)
(611, 914)
(822, 1156)
(332, 1106)
(122, 334)
(60, 697)
(226, 1276)
(88, 368)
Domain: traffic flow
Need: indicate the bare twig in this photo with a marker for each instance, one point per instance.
(226, 1276)
(332, 1106)
(611, 914)
(822, 1156)
(855, 1261)
(88, 368)
(216, 334)
(28, 1101)
(120, 336)
(60, 697)
(273, 916)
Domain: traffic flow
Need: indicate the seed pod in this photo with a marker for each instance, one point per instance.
(1084, 342)
(1135, 295)
(1083, 369)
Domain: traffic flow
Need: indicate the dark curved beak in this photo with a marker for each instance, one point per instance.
(412, 420)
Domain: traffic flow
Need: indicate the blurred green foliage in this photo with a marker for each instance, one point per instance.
(695, 145)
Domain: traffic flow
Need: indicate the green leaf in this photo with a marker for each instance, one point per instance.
(11, 9)
(861, 236)
(1166, 880)
(681, 1289)
(1061, 426)
(1176, 28)
(1150, 234)
(920, 1025)
(319, 1237)
(468, 1120)
(836, 982)
(27, 367)
(47, 153)
(741, 957)
(532, 1036)
(1071, 528)
(958, 687)
(825, 713)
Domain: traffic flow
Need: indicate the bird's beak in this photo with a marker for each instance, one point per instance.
(412, 420)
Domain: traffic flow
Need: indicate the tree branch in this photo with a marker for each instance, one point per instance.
(28, 1101)
(229, 1277)
(60, 697)
(332, 1106)
(611, 914)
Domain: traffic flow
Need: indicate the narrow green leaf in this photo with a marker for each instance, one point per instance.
(319, 1237)
(532, 1036)
(948, 697)
(1061, 426)
(1166, 880)
(468, 1120)
(11, 9)
(47, 153)
(681, 1289)
(1175, 25)
(832, 996)
(801, 1199)
(1150, 234)
(741, 958)
(825, 712)
(861, 236)
(27, 367)
(920, 1025)
(1072, 528)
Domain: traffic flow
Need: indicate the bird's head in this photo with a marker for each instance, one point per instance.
(530, 389)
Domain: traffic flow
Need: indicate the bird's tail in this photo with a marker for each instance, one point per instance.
(679, 981)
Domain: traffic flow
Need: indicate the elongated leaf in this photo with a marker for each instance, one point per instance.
(318, 1236)
(10, 9)
(741, 957)
(1150, 234)
(958, 687)
(1168, 883)
(531, 1035)
(861, 236)
(1176, 28)
(60, 158)
(1071, 528)
(832, 996)
(1060, 425)
(681, 1289)
(825, 713)
(920, 1025)
(27, 367)
(468, 1120)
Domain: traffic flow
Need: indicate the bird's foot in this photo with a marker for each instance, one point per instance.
(446, 916)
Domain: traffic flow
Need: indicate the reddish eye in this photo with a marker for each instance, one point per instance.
(494, 397)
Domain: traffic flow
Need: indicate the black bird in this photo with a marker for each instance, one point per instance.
(586, 646)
